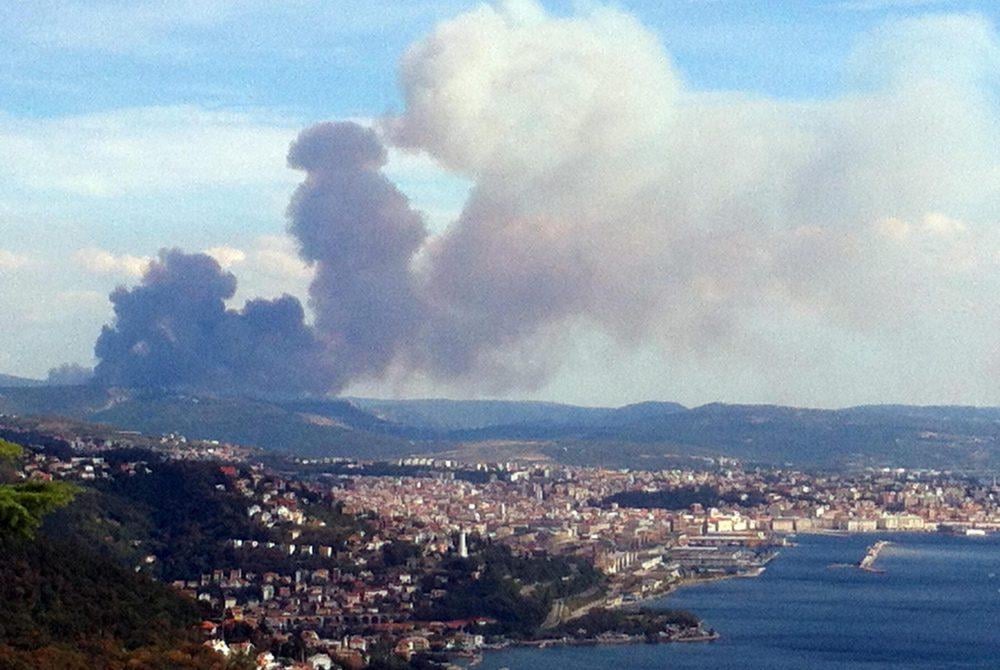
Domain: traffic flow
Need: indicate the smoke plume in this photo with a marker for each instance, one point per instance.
(361, 234)
(607, 195)
(174, 330)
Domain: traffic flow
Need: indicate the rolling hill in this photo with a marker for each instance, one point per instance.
(12, 381)
(642, 435)
(465, 415)
(335, 429)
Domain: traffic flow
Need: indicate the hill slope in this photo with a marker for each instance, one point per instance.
(640, 435)
(12, 381)
(340, 430)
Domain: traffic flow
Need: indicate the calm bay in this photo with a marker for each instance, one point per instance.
(936, 605)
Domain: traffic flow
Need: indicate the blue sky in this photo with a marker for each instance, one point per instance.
(131, 126)
(318, 60)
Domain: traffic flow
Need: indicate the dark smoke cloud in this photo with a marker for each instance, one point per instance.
(375, 308)
(174, 330)
(361, 233)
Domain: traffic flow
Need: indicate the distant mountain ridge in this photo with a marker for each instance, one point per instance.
(642, 435)
(458, 415)
(13, 381)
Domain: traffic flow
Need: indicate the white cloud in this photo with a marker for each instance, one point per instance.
(101, 262)
(227, 256)
(13, 261)
(275, 255)
(267, 266)
(270, 256)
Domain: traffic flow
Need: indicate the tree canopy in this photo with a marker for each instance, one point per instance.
(24, 504)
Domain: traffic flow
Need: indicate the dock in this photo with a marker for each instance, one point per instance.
(868, 562)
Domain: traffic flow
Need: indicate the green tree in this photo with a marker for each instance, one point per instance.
(9, 451)
(22, 505)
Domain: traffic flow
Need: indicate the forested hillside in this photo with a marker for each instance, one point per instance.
(67, 604)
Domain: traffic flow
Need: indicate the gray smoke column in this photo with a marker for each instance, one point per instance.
(358, 232)
(174, 330)
(361, 233)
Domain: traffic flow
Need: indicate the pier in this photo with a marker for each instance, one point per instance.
(868, 562)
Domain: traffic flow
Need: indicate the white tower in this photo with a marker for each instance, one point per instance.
(463, 549)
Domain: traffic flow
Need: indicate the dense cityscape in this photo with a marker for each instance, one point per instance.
(423, 562)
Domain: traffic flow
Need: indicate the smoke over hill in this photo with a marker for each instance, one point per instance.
(608, 195)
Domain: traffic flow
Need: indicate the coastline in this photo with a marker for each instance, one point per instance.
(636, 605)
(610, 639)
(699, 634)
(747, 642)
(679, 584)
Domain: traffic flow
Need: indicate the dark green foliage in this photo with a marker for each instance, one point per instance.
(189, 518)
(174, 512)
(23, 505)
(9, 451)
(108, 654)
(683, 497)
(113, 527)
(58, 592)
(382, 657)
(184, 514)
(398, 553)
(337, 525)
(516, 591)
(648, 622)
(72, 603)
(43, 442)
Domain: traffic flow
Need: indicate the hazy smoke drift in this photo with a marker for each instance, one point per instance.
(606, 195)
(610, 197)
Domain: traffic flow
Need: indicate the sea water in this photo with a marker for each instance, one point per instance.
(936, 605)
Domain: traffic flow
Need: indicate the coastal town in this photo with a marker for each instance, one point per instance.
(341, 562)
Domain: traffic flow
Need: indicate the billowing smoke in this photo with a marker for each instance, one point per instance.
(361, 234)
(174, 330)
(358, 232)
(609, 196)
